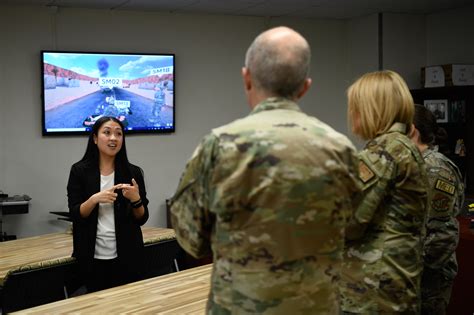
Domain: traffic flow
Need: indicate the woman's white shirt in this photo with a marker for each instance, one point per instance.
(105, 242)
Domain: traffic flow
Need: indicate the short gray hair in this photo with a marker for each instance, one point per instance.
(279, 68)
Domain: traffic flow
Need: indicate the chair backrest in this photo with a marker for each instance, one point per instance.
(36, 284)
(160, 257)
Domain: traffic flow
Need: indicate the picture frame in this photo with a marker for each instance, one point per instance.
(457, 111)
(439, 108)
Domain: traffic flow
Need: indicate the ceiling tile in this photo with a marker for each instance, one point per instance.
(89, 4)
(26, 2)
(295, 8)
(277, 7)
(158, 5)
(222, 7)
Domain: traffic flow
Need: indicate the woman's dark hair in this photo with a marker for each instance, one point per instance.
(91, 156)
(430, 132)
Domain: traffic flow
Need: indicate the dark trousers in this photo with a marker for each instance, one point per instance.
(108, 274)
(435, 293)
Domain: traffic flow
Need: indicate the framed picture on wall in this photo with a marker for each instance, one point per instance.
(439, 108)
(457, 111)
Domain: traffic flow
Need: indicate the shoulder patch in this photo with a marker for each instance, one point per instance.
(444, 186)
(440, 203)
(444, 173)
(365, 173)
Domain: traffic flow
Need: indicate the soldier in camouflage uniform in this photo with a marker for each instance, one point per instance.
(158, 104)
(270, 194)
(447, 197)
(383, 256)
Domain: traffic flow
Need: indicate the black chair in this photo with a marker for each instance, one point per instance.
(36, 284)
(63, 215)
(160, 258)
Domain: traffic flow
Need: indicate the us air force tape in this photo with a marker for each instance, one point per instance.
(446, 187)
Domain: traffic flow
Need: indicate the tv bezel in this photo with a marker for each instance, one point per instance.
(45, 132)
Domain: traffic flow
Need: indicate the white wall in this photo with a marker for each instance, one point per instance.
(450, 37)
(363, 52)
(209, 54)
(404, 46)
(414, 41)
(30, 166)
(326, 98)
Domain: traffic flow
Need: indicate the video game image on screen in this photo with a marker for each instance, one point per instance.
(79, 88)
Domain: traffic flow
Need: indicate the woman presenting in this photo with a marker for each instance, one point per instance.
(107, 203)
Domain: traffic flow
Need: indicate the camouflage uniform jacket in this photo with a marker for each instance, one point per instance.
(271, 195)
(383, 256)
(447, 197)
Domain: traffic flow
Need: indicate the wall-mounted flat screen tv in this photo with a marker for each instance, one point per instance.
(80, 87)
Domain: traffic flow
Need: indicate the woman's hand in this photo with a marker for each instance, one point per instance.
(106, 196)
(131, 192)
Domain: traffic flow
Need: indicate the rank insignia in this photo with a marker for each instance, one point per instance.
(365, 173)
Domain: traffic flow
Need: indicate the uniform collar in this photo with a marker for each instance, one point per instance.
(275, 103)
(398, 127)
(429, 151)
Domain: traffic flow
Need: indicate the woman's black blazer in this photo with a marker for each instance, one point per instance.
(84, 181)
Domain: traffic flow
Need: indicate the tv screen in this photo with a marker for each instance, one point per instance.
(81, 87)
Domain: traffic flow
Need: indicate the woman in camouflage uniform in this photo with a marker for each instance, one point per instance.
(383, 256)
(446, 199)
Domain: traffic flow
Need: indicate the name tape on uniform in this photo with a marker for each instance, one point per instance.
(445, 187)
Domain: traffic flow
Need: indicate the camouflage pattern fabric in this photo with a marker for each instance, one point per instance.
(383, 257)
(446, 200)
(271, 195)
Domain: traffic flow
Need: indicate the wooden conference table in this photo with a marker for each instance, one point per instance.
(183, 292)
(55, 246)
